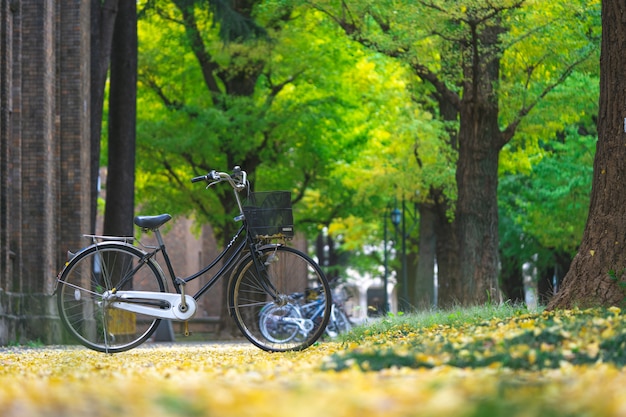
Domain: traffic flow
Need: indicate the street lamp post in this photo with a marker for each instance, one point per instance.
(405, 281)
(396, 217)
(385, 265)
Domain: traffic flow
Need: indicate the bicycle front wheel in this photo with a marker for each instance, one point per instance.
(283, 306)
(87, 315)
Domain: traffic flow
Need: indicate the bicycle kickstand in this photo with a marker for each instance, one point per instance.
(183, 304)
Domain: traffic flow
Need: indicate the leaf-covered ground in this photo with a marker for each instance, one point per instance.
(564, 364)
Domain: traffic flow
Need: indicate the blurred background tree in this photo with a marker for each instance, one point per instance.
(355, 124)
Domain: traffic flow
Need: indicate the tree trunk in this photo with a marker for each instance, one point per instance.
(449, 291)
(412, 261)
(103, 15)
(118, 218)
(424, 289)
(480, 141)
(597, 274)
(477, 213)
(449, 288)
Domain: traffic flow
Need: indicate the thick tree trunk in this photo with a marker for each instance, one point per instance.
(480, 142)
(477, 211)
(118, 218)
(597, 274)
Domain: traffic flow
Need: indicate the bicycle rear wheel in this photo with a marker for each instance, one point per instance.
(84, 312)
(284, 308)
(338, 323)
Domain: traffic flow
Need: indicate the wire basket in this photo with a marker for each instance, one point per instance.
(269, 214)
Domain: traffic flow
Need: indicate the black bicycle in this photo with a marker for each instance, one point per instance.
(112, 294)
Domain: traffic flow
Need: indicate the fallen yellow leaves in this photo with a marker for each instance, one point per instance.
(241, 380)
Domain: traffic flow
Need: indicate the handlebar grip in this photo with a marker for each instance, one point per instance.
(211, 176)
(200, 178)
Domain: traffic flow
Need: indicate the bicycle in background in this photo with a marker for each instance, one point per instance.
(294, 321)
(339, 321)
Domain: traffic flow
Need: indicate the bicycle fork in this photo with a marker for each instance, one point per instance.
(261, 273)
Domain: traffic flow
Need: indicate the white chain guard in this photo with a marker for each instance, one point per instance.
(172, 313)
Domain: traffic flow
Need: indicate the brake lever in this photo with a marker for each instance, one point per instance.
(242, 184)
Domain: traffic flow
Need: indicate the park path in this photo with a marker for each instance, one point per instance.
(237, 379)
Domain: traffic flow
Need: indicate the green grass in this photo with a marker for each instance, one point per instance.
(423, 319)
(29, 344)
(496, 337)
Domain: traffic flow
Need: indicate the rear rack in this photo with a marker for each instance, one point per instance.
(102, 238)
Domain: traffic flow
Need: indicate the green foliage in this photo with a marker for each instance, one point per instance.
(615, 277)
(348, 126)
(544, 210)
(546, 42)
(193, 113)
(31, 344)
(547, 54)
(326, 118)
(177, 406)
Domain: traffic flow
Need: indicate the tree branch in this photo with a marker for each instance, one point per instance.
(171, 173)
(275, 89)
(158, 90)
(205, 59)
(427, 75)
(509, 131)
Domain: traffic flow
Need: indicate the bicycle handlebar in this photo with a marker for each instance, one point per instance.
(211, 176)
(238, 178)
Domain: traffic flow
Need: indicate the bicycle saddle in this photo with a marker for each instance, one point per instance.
(152, 222)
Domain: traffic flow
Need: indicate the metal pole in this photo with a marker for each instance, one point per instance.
(405, 282)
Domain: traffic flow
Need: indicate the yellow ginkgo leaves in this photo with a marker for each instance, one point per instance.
(239, 380)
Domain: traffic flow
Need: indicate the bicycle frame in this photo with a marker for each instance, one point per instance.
(230, 262)
(237, 247)
(316, 306)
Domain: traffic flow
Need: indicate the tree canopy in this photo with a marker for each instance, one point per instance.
(354, 106)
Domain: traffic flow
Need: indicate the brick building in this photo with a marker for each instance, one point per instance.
(44, 151)
(45, 168)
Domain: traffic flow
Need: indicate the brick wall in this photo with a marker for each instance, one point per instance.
(44, 170)
(6, 25)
